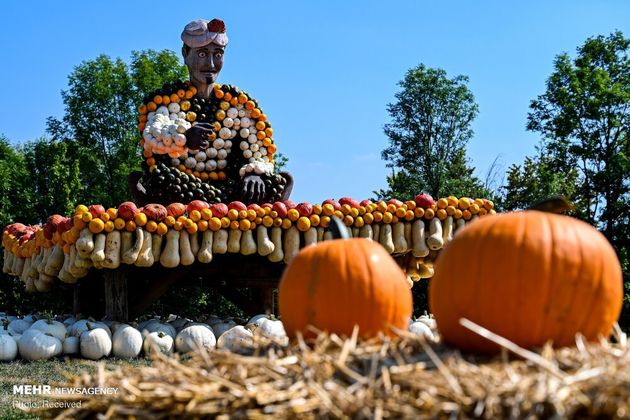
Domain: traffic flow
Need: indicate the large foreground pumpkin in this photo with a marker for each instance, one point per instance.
(528, 276)
(339, 283)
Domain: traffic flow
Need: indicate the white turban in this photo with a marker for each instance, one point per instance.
(202, 32)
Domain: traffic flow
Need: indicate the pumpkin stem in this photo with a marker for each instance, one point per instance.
(338, 229)
(557, 204)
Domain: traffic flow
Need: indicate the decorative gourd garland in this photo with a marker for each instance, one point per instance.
(67, 247)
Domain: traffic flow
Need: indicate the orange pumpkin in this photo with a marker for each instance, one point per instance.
(339, 283)
(528, 276)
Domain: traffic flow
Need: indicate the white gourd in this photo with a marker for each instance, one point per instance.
(55, 261)
(435, 241)
(195, 337)
(126, 342)
(156, 247)
(234, 241)
(71, 345)
(126, 242)
(194, 243)
(419, 246)
(131, 255)
(98, 253)
(158, 341)
(95, 344)
(276, 238)
(145, 257)
(8, 348)
(386, 238)
(220, 242)
(186, 256)
(447, 232)
(35, 345)
(248, 244)
(264, 244)
(310, 237)
(291, 243)
(54, 328)
(85, 243)
(112, 250)
(220, 327)
(398, 236)
(366, 232)
(170, 255)
(236, 339)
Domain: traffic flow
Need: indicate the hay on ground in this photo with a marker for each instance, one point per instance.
(405, 377)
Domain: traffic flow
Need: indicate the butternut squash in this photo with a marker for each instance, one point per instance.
(205, 251)
(219, 242)
(435, 240)
(310, 237)
(248, 245)
(234, 241)
(320, 234)
(194, 243)
(156, 247)
(276, 237)
(98, 253)
(264, 244)
(126, 242)
(41, 268)
(460, 224)
(291, 243)
(386, 238)
(366, 232)
(408, 235)
(145, 257)
(85, 243)
(398, 236)
(447, 231)
(112, 250)
(131, 255)
(55, 261)
(419, 245)
(186, 256)
(170, 255)
(376, 228)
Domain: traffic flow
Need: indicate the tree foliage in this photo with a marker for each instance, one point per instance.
(584, 120)
(100, 118)
(429, 129)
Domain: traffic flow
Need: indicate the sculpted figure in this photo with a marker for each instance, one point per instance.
(203, 140)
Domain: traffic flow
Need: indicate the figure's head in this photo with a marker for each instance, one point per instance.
(204, 45)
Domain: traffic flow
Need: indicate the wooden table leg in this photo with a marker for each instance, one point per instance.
(116, 303)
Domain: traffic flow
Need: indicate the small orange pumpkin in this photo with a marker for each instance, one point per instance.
(339, 283)
(528, 276)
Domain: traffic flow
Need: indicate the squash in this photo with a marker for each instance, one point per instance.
(248, 245)
(268, 326)
(531, 276)
(36, 345)
(186, 256)
(419, 246)
(126, 242)
(48, 326)
(421, 329)
(95, 343)
(194, 243)
(356, 277)
(237, 339)
(435, 240)
(170, 255)
(291, 243)
(130, 256)
(234, 240)
(112, 250)
(194, 337)
(205, 250)
(264, 244)
(310, 237)
(55, 261)
(156, 246)
(8, 348)
(126, 342)
(71, 345)
(366, 232)
(276, 238)
(85, 243)
(386, 238)
(158, 341)
(398, 236)
(447, 231)
(219, 327)
(220, 242)
(98, 252)
(145, 257)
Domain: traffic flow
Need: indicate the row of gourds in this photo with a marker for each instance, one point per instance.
(66, 248)
(35, 338)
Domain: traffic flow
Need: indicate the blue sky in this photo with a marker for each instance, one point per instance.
(322, 71)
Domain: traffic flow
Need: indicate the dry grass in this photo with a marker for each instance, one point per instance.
(405, 377)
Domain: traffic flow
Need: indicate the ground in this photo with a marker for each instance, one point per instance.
(44, 372)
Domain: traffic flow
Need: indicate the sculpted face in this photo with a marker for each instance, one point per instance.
(204, 64)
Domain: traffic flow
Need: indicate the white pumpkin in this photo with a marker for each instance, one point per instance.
(30, 318)
(81, 326)
(8, 348)
(18, 326)
(195, 337)
(69, 321)
(95, 343)
(127, 341)
(157, 326)
(54, 328)
(71, 345)
(269, 327)
(422, 329)
(36, 345)
(236, 339)
(159, 341)
(220, 327)
(142, 324)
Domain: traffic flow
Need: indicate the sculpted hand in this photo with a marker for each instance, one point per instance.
(253, 189)
(197, 136)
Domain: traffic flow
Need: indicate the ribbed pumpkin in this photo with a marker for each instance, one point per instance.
(528, 276)
(339, 283)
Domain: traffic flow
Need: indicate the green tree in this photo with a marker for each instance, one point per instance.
(429, 129)
(17, 196)
(535, 180)
(100, 118)
(584, 120)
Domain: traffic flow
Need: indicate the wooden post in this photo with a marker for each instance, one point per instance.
(116, 304)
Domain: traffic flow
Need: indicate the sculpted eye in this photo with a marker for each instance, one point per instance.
(202, 54)
(219, 54)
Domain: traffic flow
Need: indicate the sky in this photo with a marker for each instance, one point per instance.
(323, 71)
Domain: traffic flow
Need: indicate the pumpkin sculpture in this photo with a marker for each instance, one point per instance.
(530, 277)
(341, 283)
